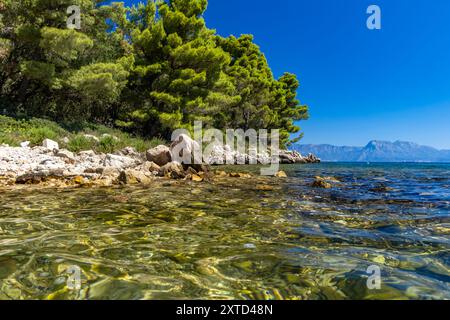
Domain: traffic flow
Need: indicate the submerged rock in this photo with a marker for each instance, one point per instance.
(221, 173)
(381, 188)
(281, 174)
(264, 187)
(196, 168)
(131, 176)
(320, 182)
(330, 179)
(196, 178)
(240, 175)
(7, 180)
(38, 177)
(191, 171)
(173, 170)
(79, 180)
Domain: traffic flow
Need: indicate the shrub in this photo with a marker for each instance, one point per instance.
(108, 144)
(14, 131)
(37, 135)
(9, 139)
(80, 143)
(43, 123)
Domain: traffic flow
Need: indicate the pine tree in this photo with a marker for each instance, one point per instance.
(178, 66)
(54, 71)
(150, 68)
(263, 101)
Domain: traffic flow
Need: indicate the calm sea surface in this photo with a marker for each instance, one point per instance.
(259, 238)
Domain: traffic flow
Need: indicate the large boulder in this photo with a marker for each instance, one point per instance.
(173, 170)
(160, 155)
(183, 149)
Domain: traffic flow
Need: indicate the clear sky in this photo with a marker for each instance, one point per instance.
(360, 84)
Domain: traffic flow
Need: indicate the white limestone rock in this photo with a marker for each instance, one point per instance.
(25, 144)
(50, 144)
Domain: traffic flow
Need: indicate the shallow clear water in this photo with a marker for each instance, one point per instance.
(259, 238)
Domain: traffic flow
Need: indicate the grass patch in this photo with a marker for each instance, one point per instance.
(71, 136)
(37, 135)
(79, 143)
(108, 144)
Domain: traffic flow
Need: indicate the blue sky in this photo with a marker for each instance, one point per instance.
(360, 84)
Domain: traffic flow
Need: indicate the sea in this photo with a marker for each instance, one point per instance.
(382, 231)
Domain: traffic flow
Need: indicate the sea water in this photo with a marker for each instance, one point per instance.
(235, 238)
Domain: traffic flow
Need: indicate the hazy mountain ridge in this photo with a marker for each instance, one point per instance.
(376, 151)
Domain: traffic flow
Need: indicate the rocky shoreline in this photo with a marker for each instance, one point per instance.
(48, 165)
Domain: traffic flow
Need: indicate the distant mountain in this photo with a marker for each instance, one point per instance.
(376, 151)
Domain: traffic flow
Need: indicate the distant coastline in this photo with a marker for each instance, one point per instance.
(377, 151)
(386, 162)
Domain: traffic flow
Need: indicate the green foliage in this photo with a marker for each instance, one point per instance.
(108, 144)
(37, 135)
(80, 143)
(147, 69)
(102, 81)
(14, 131)
(61, 46)
(36, 70)
(48, 70)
